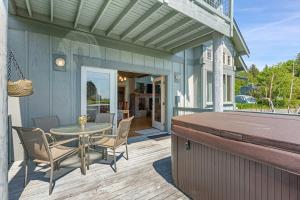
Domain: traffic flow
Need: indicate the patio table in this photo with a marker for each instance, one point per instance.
(83, 134)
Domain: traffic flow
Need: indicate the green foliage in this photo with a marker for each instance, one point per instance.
(241, 106)
(274, 82)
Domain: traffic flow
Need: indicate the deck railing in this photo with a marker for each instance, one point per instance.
(222, 7)
(179, 111)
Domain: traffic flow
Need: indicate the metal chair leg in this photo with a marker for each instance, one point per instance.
(88, 157)
(51, 179)
(115, 160)
(126, 151)
(106, 154)
(26, 171)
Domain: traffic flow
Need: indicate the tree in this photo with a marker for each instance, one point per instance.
(292, 88)
(280, 83)
(253, 70)
(297, 61)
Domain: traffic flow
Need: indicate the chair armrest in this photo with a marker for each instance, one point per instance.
(100, 134)
(50, 138)
(63, 142)
(100, 137)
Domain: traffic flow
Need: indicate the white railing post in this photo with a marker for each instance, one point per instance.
(231, 17)
(218, 72)
(3, 101)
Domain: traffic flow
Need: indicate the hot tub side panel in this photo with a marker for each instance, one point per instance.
(174, 157)
(207, 173)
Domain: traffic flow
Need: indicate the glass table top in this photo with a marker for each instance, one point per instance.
(90, 128)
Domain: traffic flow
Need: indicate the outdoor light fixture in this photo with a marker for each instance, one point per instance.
(177, 76)
(59, 62)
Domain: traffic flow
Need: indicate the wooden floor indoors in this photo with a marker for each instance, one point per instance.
(146, 175)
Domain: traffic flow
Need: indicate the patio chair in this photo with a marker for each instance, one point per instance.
(38, 150)
(114, 141)
(105, 118)
(48, 122)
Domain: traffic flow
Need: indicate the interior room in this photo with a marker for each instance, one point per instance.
(135, 98)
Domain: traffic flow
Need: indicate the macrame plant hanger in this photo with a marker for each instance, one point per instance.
(20, 87)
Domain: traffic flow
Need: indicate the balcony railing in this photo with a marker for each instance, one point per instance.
(220, 5)
(221, 8)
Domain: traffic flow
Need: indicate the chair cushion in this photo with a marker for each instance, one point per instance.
(105, 141)
(61, 151)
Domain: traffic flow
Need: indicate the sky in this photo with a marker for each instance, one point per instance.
(271, 29)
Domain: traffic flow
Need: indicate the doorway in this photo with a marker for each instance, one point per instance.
(125, 94)
(142, 96)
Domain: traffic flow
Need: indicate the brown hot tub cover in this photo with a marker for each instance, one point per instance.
(277, 131)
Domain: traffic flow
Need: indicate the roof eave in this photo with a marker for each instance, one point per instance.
(241, 63)
(241, 40)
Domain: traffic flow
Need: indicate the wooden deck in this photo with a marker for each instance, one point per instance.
(146, 175)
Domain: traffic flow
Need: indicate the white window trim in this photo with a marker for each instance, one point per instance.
(211, 54)
(231, 87)
(210, 103)
(230, 61)
(207, 103)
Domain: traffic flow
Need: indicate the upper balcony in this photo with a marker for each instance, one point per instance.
(222, 7)
(165, 26)
(216, 14)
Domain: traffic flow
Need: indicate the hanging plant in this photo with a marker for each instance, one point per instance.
(20, 87)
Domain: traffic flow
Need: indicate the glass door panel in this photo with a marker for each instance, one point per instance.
(158, 112)
(98, 89)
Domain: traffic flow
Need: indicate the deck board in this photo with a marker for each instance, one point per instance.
(146, 175)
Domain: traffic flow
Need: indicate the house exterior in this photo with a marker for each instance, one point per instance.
(195, 45)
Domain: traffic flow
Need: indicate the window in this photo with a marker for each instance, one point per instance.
(209, 54)
(224, 58)
(142, 104)
(229, 60)
(227, 88)
(209, 86)
(224, 87)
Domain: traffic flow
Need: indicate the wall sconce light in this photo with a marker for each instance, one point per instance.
(177, 76)
(59, 62)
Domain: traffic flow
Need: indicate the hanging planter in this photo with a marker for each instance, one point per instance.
(20, 87)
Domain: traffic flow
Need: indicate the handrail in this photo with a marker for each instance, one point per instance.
(220, 7)
(178, 111)
(271, 113)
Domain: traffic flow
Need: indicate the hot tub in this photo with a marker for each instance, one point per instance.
(237, 156)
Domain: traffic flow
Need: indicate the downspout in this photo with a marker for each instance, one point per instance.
(3, 102)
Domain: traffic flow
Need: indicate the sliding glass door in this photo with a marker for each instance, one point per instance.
(98, 91)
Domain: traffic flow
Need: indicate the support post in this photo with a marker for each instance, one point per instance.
(218, 72)
(231, 17)
(3, 101)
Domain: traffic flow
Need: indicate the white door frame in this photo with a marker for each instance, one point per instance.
(113, 88)
(155, 124)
